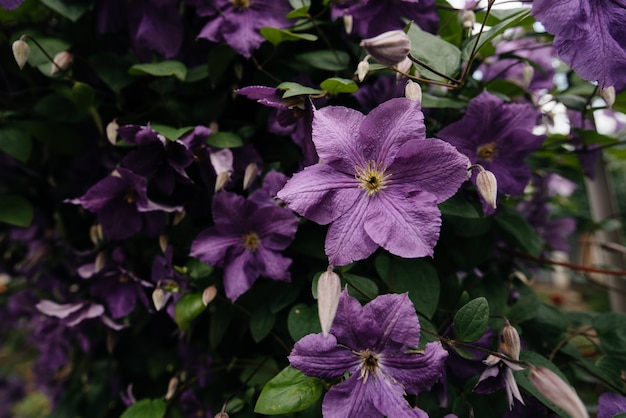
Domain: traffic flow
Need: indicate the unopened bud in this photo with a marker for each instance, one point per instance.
(250, 175)
(208, 295)
(214, 127)
(404, 66)
(96, 234)
(171, 388)
(158, 298)
(388, 48)
(528, 72)
(413, 91)
(469, 19)
(178, 217)
(101, 261)
(510, 342)
(111, 131)
(221, 415)
(163, 241)
(238, 69)
(487, 186)
(221, 180)
(328, 293)
(556, 390)
(21, 51)
(362, 69)
(608, 95)
(62, 62)
(347, 23)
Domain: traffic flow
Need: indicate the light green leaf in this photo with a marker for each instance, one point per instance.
(169, 132)
(300, 12)
(160, 69)
(188, 307)
(430, 101)
(196, 269)
(435, 52)
(146, 408)
(470, 322)
(295, 89)
(325, 59)
(278, 36)
(73, 10)
(16, 143)
(15, 210)
(290, 391)
(337, 85)
(225, 140)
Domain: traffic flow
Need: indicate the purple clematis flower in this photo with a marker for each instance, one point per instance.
(237, 22)
(373, 17)
(375, 344)
(379, 182)
(498, 136)
(611, 404)
(10, 4)
(246, 240)
(590, 37)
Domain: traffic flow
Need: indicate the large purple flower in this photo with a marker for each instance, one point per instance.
(611, 404)
(590, 36)
(237, 22)
(246, 240)
(376, 344)
(379, 181)
(498, 136)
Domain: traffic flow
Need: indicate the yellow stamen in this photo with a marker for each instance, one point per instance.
(372, 177)
(251, 241)
(369, 364)
(487, 152)
(241, 4)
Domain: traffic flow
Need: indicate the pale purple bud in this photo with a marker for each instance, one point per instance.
(468, 17)
(362, 69)
(557, 391)
(347, 23)
(209, 294)
(388, 48)
(221, 180)
(111, 131)
(163, 241)
(171, 388)
(528, 72)
(608, 95)
(510, 342)
(404, 67)
(487, 186)
(158, 298)
(62, 62)
(413, 91)
(328, 293)
(249, 176)
(21, 51)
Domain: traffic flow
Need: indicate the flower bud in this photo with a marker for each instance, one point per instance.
(413, 91)
(178, 217)
(487, 186)
(558, 392)
(328, 292)
(404, 66)
(528, 72)
(171, 388)
(163, 241)
(221, 415)
(21, 51)
(208, 295)
(62, 62)
(510, 342)
(96, 234)
(347, 23)
(101, 261)
(111, 131)
(362, 69)
(468, 17)
(221, 180)
(388, 48)
(158, 298)
(251, 172)
(608, 95)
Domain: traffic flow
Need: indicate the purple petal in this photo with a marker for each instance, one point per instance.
(397, 318)
(211, 247)
(319, 356)
(102, 193)
(417, 372)
(93, 311)
(273, 265)
(10, 4)
(276, 227)
(57, 310)
(358, 335)
(610, 404)
(240, 274)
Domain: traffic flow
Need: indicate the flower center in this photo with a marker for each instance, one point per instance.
(369, 364)
(241, 4)
(372, 177)
(251, 241)
(487, 152)
(130, 196)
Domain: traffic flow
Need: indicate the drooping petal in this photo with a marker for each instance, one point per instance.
(404, 224)
(416, 372)
(336, 137)
(319, 356)
(240, 274)
(347, 239)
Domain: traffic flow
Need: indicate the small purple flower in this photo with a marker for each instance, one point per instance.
(10, 4)
(379, 181)
(590, 36)
(498, 136)
(237, 22)
(246, 241)
(373, 17)
(611, 404)
(498, 375)
(375, 344)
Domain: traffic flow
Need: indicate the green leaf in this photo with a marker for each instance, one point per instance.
(225, 140)
(435, 52)
(15, 210)
(146, 408)
(611, 328)
(113, 69)
(83, 96)
(337, 85)
(53, 46)
(514, 18)
(362, 288)
(290, 391)
(169, 132)
(303, 320)
(16, 143)
(324, 59)
(160, 69)
(299, 12)
(430, 101)
(470, 322)
(196, 269)
(415, 276)
(188, 307)
(457, 206)
(73, 10)
(261, 323)
(278, 36)
(295, 89)
(518, 231)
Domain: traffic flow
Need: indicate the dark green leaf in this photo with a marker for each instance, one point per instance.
(290, 391)
(295, 89)
(457, 206)
(146, 408)
(611, 328)
(113, 69)
(362, 288)
(53, 46)
(337, 85)
(160, 69)
(16, 143)
(83, 96)
(15, 210)
(73, 10)
(303, 320)
(517, 231)
(261, 323)
(325, 59)
(415, 276)
(196, 269)
(197, 73)
(470, 322)
(277, 36)
(224, 140)
(435, 52)
(188, 307)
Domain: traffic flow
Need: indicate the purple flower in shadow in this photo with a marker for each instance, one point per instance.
(379, 181)
(611, 404)
(375, 344)
(10, 4)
